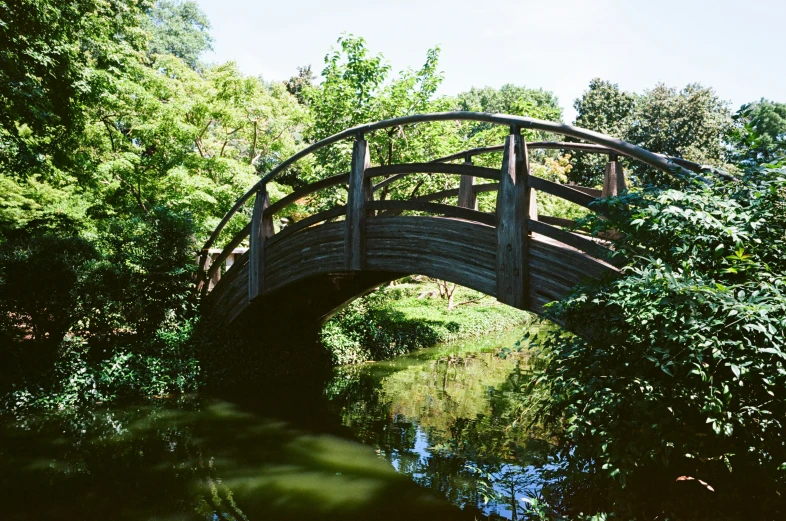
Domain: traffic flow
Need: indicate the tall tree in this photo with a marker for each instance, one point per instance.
(57, 58)
(691, 123)
(604, 108)
(760, 135)
(181, 29)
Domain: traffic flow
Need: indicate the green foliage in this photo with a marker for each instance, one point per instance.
(393, 321)
(42, 282)
(57, 59)
(180, 29)
(604, 108)
(692, 123)
(760, 134)
(675, 376)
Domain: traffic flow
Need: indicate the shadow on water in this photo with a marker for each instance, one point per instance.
(422, 437)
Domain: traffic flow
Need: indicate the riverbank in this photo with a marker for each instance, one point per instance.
(398, 319)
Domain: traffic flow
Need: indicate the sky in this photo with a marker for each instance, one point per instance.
(738, 48)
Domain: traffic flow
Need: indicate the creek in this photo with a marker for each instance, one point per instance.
(424, 436)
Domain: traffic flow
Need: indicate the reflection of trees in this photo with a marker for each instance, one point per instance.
(465, 410)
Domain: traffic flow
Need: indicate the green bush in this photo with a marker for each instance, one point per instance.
(393, 321)
(109, 316)
(669, 401)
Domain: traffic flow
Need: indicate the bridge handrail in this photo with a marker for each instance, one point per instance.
(618, 146)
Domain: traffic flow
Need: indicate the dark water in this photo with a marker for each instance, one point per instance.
(424, 437)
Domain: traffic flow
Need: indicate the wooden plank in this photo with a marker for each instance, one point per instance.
(442, 209)
(466, 197)
(557, 221)
(306, 191)
(359, 190)
(309, 221)
(512, 221)
(593, 192)
(614, 179)
(573, 240)
(434, 168)
(261, 231)
(564, 191)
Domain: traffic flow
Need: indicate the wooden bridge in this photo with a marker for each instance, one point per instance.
(310, 268)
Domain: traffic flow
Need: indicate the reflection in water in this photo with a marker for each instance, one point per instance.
(447, 418)
(410, 439)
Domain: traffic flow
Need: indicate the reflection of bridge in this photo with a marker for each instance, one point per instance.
(311, 267)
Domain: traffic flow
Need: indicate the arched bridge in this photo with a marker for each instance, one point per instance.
(310, 268)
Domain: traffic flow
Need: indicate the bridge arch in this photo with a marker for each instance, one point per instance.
(312, 267)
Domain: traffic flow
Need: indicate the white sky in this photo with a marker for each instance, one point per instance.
(736, 47)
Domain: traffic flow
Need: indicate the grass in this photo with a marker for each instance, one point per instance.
(410, 315)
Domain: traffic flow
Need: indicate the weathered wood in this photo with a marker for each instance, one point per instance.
(533, 204)
(565, 192)
(360, 190)
(311, 220)
(215, 272)
(443, 209)
(218, 261)
(512, 224)
(614, 179)
(593, 192)
(306, 191)
(557, 221)
(467, 197)
(261, 230)
(434, 168)
(579, 242)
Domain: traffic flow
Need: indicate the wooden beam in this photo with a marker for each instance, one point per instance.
(437, 208)
(512, 224)
(261, 230)
(466, 197)
(360, 190)
(434, 168)
(614, 179)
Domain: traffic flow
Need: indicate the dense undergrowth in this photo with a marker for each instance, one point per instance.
(396, 320)
(668, 402)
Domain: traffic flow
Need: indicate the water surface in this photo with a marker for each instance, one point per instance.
(427, 436)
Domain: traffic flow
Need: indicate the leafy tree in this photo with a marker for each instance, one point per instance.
(297, 85)
(604, 108)
(692, 124)
(760, 136)
(672, 386)
(56, 59)
(180, 29)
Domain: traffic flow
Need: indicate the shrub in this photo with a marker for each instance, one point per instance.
(669, 397)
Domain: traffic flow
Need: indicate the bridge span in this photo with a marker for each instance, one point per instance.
(310, 268)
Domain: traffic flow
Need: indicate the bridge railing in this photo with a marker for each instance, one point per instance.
(515, 216)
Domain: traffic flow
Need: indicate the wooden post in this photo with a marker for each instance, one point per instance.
(614, 180)
(261, 230)
(467, 197)
(360, 191)
(512, 227)
(217, 274)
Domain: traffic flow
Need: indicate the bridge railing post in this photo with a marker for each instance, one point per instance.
(467, 198)
(614, 178)
(513, 205)
(360, 191)
(261, 230)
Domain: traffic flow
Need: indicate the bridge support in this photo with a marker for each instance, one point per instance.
(614, 179)
(513, 205)
(261, 230)
(467, 198)
(360, 191)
